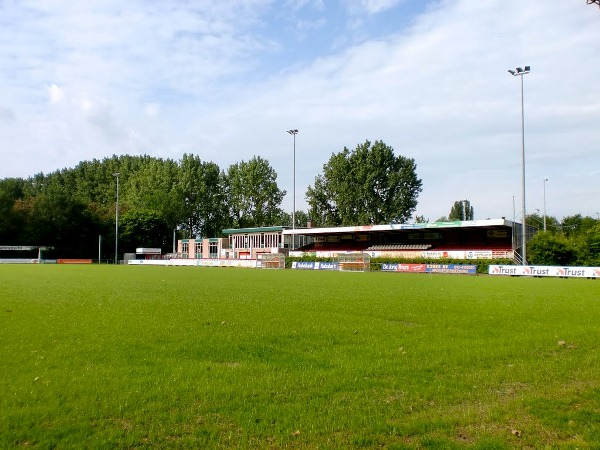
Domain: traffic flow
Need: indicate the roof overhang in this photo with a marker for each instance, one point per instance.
(400, 227)
(254, 230)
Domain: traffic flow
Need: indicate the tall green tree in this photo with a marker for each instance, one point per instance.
(202, 192)
(253, 197)
(369, 185)
(577, 225)
(55, 218)
(548, 249)
(537, 221)
(143, 228)
(587, 246)
(11, 222)
(156, 187)
(461, 210)
(302, 218)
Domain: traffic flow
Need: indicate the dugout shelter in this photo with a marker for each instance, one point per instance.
(22, 253)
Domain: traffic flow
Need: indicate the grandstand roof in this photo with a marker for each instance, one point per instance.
(254, 230)
(400, 227)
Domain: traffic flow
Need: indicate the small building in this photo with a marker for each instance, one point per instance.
(248, 243)
(147, 253)
(240, 243)
(202, 248)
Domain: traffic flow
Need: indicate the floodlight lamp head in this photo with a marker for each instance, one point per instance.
(512, 72)
(527, 68)
(519, 70)
(293, 131)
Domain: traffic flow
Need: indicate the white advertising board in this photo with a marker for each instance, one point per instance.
(545, 271)
(208, 262)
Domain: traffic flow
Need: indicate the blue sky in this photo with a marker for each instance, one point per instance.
(225, 80)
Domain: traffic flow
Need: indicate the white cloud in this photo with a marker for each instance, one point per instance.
(152, 109)
(374, 6)
(6, 115)
(55, 94)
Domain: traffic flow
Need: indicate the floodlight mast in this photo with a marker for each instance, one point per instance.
(116, 174)
(545, 180)
(519, 72)
(294, 133)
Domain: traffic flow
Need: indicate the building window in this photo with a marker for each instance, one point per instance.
(198, 249)
(213, 249)
(185, 249)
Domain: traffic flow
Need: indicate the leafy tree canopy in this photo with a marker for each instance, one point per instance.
(369, 185)
(461, 210)
(253, 196)
(70, 208)
(548, 249)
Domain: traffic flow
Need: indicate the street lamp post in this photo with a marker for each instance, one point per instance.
(294, 133)
(519, 72)
(545, 179)
(116, 174)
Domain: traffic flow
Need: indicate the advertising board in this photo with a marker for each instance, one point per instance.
(326, 266)
(403, 268)
(208, 262)
(545, 271)
(303, 265)
(470, 269)
(73, 261)
(310, 265)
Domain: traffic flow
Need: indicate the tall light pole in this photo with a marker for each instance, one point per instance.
(545, 179)
(519, 72)
(294, 133)
(116, 174)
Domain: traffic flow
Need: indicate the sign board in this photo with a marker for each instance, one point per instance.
(545, 271)
(208, 262)
(310, 265)
(403, 268)
(18, 247)
(470, 269)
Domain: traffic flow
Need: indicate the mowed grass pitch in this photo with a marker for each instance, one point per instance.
(155, 357)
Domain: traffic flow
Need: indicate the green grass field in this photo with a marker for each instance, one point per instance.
(165, 357)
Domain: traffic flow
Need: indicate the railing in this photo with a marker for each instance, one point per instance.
(517, 258)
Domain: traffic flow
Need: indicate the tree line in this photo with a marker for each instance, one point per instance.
(572, 241)
(70, 209)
